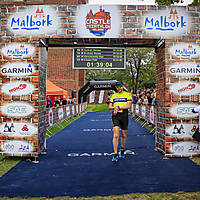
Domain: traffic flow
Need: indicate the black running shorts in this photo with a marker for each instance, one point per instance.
(121, 120)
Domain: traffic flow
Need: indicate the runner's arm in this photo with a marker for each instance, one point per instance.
(127, 106)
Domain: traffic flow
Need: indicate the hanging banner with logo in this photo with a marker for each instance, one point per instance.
(172, 22)
(181, 130)
(184, 110)
(17, 109)
(17, 69)
(184, 148)
(18, 50)
(185, 88)
(96, 21)
(185, 69)
(185, 50)
(18, 129)
(16, 147)
(34, 21)
(17, 88)
(101, 95)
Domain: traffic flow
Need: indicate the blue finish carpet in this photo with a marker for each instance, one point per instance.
(78, 163)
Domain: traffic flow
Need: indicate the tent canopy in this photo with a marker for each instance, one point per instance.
(53, 89)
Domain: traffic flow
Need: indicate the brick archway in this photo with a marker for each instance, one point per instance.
(26, 29)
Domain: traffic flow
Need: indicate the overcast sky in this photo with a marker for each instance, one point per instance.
(132, 2)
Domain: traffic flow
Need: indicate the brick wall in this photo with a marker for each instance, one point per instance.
(60, 71)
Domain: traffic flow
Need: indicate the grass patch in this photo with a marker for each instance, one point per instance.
(97, 107)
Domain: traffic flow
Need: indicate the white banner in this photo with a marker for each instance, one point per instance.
(101, 95)
(92, 96)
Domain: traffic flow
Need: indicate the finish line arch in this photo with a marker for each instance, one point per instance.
(95, 85)
(27, 31)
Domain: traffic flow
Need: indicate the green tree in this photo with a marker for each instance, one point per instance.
(167, 2)
(195, 3)
(139, 61)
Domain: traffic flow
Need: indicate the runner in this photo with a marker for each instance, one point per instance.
(120, 102)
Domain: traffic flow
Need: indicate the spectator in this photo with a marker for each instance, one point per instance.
(64, 101)
(144, 99)
(149, 97)
(70, 100)
(56, 102)
(49, 103)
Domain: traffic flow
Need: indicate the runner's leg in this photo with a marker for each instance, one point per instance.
(115, 138)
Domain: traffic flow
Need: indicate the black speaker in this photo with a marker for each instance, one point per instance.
(73, 93)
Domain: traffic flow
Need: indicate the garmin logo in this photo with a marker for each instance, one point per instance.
(102, 86)
(127, 152)
(17, 69)
(185, 69)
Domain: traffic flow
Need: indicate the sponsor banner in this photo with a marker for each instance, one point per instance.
(17, 109)
(50, 117)
(185, 88)
(17, 69)
(151, 114)
(185, 50)
(17, 88)
(92, 97)
(185, 148)
(90, 154)
(143, 111)
(34, 21)
(16, 147)
(137, 109)
(95, 21)
(172, 22)
(181, 130)
(77, 111)
(18, 50)
(101, 95)
(184, 110)
(60, 113)
(185, 69)
(17, 129)
(73, 111)
(68, 111)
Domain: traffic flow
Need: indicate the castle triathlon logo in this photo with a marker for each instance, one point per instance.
(172, 22)
(98, 23)
(35, 20)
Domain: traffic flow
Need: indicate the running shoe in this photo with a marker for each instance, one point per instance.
(114, 159)
(121, 155)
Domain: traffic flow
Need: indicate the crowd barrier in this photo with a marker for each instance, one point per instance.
(145, 112)
(56, 115)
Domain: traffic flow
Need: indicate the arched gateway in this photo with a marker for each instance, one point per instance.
(27, 29)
